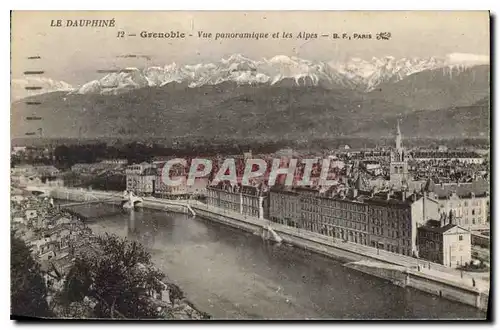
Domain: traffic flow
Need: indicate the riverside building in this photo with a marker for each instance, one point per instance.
(445, 242)
(468, 202)
(386, 220)
(246, 200)
(141, 178)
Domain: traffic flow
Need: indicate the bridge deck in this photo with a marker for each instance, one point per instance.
(91, 202)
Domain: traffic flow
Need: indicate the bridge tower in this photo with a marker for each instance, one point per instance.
(130, 200)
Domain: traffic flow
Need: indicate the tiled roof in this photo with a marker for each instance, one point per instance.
(463, 190)
(395, 200)
(244, 189)
(282, 189)
(445, 154)
(439, 230)
(150, 171)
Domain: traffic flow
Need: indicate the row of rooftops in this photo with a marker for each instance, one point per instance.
(41, 170)
(358, 191)
(383, 198)
(445, 154)
(477, 188)
(257, 190)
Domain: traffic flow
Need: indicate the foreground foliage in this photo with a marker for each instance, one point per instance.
(28, 289)
(119, 275)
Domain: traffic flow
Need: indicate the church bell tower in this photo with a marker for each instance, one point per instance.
(399, 162)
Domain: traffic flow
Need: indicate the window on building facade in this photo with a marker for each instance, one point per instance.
(460, 238)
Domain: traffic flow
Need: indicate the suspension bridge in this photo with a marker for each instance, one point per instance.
(128, 200)
(97, 201)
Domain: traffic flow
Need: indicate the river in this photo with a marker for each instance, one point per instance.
(232, 274)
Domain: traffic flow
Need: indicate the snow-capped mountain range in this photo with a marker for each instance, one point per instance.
(354, 73)
(19, 91)
(370, 74)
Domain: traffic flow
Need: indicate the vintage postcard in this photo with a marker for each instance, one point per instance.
(281, 165)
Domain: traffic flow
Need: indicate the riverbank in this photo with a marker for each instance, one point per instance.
(418, 274)
(57, 236)
(437, 279)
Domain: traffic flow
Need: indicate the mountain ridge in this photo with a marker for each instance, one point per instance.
(355, 73)
(227, 110)
(243, 70)
(47, 85)
(294, 99)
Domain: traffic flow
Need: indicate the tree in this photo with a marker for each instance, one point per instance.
(119, 274)
(175, 293)
(28, 289)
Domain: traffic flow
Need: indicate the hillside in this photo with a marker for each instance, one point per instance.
(226, 109)
(282, 98)
(438, 89)
(467, 121)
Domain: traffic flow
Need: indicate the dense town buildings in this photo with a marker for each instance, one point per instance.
(462, 156)
(39, 174)
(51, 233)
(374, 200)
(386, 215)
(373, 167)
(35, 170)
(386, 220)
(56, 239)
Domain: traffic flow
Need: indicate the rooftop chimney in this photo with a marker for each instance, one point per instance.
(442, 220)
(342, 194)
(452, 217)
(424, 202)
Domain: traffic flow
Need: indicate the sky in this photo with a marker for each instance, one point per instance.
(74, 54)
